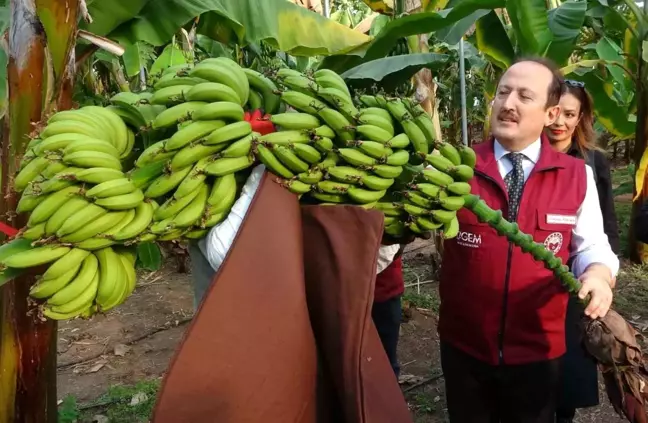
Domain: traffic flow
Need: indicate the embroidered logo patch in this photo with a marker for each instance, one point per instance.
(469, 240)
(561, 219)
(554, 242)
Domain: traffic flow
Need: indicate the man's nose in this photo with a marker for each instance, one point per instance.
(509, 102)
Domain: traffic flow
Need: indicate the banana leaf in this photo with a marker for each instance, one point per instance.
(565, 23)
(414, 24)
(492, 40)
(531, 25)
(608, 112)
(395, 69)
(284, 25)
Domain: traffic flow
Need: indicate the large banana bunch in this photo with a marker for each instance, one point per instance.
(90, 195)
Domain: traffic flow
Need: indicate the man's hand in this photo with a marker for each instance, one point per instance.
(596, 282)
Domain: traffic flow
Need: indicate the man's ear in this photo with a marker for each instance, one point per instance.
(551, 115)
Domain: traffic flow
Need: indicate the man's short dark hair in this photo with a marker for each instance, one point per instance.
(554, 91)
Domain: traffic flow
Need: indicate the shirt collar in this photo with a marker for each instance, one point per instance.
(531, 152)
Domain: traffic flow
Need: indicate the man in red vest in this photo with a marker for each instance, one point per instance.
(502, 315)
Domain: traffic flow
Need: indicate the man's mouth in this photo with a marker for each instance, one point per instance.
(508, 119)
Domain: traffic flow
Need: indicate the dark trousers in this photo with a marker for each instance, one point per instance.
(477, 392)
(386, 316)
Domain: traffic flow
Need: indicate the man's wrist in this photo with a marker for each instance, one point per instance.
(601, 271)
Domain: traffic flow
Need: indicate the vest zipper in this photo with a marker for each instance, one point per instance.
(507, 277)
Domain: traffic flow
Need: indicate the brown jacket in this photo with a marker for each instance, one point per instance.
(285, 334)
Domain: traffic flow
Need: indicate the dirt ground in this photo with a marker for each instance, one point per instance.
(136, 341)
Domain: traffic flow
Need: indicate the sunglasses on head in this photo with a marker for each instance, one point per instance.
(575, 84)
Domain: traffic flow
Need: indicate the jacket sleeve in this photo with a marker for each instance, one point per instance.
(606, 200)
(641, 224)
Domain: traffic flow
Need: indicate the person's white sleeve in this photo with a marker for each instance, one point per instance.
(589, 242)
(220, 238)
(386, 255)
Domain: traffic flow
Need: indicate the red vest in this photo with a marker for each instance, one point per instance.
(389, 282)
(498, 304)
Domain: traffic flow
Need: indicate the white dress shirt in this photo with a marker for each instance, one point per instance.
(589, 242)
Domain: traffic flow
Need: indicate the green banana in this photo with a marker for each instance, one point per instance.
(284, 138)
(51, 204)
(225, 110)
(240, 148)
(97, 175)
(35, 257)
(89, 159)
(177, 113)
(355, 157)
(303, 102)
(289, 159)
(29, 173)
(143, 217)
(111, 188)
(451, 228)
(88, 271)
(307, 153)
(103, 223)
(229, 132)
(122, 202)
(212, 92)
(192, 132)
(46, 288)
(372, 148)
(173, 206)
(84, 216)
(221, 167)
(194, 152)
(170, 95)
(194, 210)
(63, 213)
(338, 122)
(295, 121)
(90, 144)
(265, 87)
(71, 260)
(399, 141)
(364, 196)
(399, 158)
(437, 177)
(166, 183)
(346, 173)
(468, 156)
(267, 157)
(223, 193)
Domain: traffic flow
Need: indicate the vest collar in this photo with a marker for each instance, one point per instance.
(547, 160)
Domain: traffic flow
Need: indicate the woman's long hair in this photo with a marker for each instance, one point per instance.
(584, 135)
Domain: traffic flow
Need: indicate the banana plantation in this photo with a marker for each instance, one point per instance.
(133, 130)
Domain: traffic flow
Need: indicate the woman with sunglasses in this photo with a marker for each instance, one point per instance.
(573, 134)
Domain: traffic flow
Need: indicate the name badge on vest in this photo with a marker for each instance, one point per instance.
(561, 219)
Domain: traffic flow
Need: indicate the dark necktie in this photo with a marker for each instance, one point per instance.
(514, 182)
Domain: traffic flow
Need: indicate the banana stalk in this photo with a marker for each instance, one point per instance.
(512, 232)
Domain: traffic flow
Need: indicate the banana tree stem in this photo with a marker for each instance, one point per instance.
(511, 231)
(641, 17)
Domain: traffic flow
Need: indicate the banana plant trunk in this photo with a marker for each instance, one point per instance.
(39, 29)
(638, 251)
